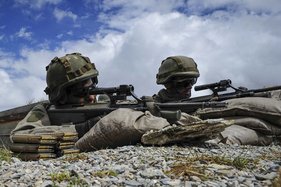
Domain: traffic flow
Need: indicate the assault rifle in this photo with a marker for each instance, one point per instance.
(118, 99)
(223, 85)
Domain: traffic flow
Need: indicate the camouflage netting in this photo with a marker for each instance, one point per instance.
(118, 128)
(191, 132)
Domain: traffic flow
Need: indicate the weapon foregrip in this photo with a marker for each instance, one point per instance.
(171, 116)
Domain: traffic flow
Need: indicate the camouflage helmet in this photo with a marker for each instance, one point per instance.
(176, 67)
(68, 70)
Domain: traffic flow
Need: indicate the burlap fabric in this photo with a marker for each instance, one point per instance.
(37, 117)
(118, 128)
(257, 120)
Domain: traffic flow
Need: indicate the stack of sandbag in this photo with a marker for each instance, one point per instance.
(44, 142)
(257, 120)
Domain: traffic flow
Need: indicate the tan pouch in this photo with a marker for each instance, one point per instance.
(31, 148)
(35, 139)
(267, 109)
(34, 156)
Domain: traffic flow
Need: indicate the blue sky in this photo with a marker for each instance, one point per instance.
(127, 40)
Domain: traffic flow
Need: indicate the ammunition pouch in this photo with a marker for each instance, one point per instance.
(44, 142)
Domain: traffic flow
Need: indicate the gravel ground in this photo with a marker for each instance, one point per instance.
(151, 166)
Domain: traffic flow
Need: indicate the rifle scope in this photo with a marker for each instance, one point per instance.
(122, 89)
(221, 84)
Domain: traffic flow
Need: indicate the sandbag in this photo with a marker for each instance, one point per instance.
(118, 128)
(44, 142)
(37, 117)
(34, 156)
(266, 109)
(276, 94)
(256, 124)
(239, 135)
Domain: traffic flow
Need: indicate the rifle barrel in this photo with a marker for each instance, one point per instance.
(222, 83)
(192, 105)
(266, 89)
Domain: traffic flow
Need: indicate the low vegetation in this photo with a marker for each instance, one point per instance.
(104, 173)
(75, 157)
(186, 167)
(277, 181)
(70, 178)
(5, 155)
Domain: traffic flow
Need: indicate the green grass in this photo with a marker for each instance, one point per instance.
(185, 167)
(75, 157)
(5, 155)
(71, 179)
(104, 173)
(277, 181)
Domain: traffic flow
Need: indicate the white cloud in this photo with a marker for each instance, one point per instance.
(34, 62)
(134, 10)
(255, 6)
(59, 36)
(236, 37)
(61, 14)
(37, 4)
(17, 92)
(2, 36)
(226, 48)
(18, 89)
(23, 33)
(69, 33)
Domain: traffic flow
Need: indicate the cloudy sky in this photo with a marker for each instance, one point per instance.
(127, 40)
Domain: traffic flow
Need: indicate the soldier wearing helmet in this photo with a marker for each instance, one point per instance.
(66, 77)
(69, 80)
(178, 74)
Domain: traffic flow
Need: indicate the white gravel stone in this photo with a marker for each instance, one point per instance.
(146, 166)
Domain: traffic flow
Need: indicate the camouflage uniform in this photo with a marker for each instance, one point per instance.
(178, 74)
(249, 126)
(174, 71)
(36, 136)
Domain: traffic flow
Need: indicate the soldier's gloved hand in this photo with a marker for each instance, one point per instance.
(42, 142)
